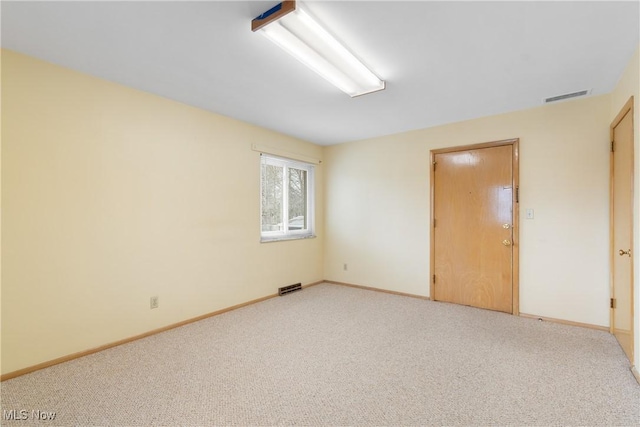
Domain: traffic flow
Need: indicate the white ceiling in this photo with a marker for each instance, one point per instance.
(443, 61)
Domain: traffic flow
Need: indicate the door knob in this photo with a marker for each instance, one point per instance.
(506, 242)
(622, 253)
(506, 226)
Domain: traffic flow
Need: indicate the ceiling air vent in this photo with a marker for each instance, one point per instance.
(567, 96)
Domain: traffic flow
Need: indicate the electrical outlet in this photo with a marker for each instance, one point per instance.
(344, 267)
(154, 303)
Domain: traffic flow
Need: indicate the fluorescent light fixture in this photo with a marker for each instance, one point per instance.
(296, 32)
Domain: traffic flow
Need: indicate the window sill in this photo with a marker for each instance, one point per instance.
(286, 238)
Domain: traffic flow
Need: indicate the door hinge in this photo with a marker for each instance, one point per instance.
(434, 223)
(434, 278)
(434, 166)
(517, 194)
(613, 146)
(612, 303)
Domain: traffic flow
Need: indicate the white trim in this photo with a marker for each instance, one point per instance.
(288, 237)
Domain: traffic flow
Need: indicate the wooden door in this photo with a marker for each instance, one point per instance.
(474, 229)
(622, 228)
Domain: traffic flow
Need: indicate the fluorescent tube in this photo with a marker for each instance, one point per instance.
(303, 38)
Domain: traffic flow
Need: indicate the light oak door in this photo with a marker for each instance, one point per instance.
(622, 228)
(474, 230)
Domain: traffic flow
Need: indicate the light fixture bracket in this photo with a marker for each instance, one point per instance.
(273, 14)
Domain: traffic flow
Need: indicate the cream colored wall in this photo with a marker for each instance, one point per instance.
(629, 85)
(112, 195)
(377, 206)
(0, 217)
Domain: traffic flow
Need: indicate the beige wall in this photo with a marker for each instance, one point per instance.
(377, 206)
(112, 195)
(629, 85)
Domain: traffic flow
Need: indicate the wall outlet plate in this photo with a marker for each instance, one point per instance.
(154, 302)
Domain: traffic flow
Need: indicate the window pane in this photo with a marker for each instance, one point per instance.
(286, 202)
(297, 199)
(272, 196)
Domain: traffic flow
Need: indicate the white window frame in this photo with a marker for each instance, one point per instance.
(286, 234)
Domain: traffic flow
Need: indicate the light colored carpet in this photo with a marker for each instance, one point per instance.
(332, 355)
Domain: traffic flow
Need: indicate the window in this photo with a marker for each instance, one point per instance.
(286, 193)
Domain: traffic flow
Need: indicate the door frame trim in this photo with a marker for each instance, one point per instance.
(627, 108)
(515, 162)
